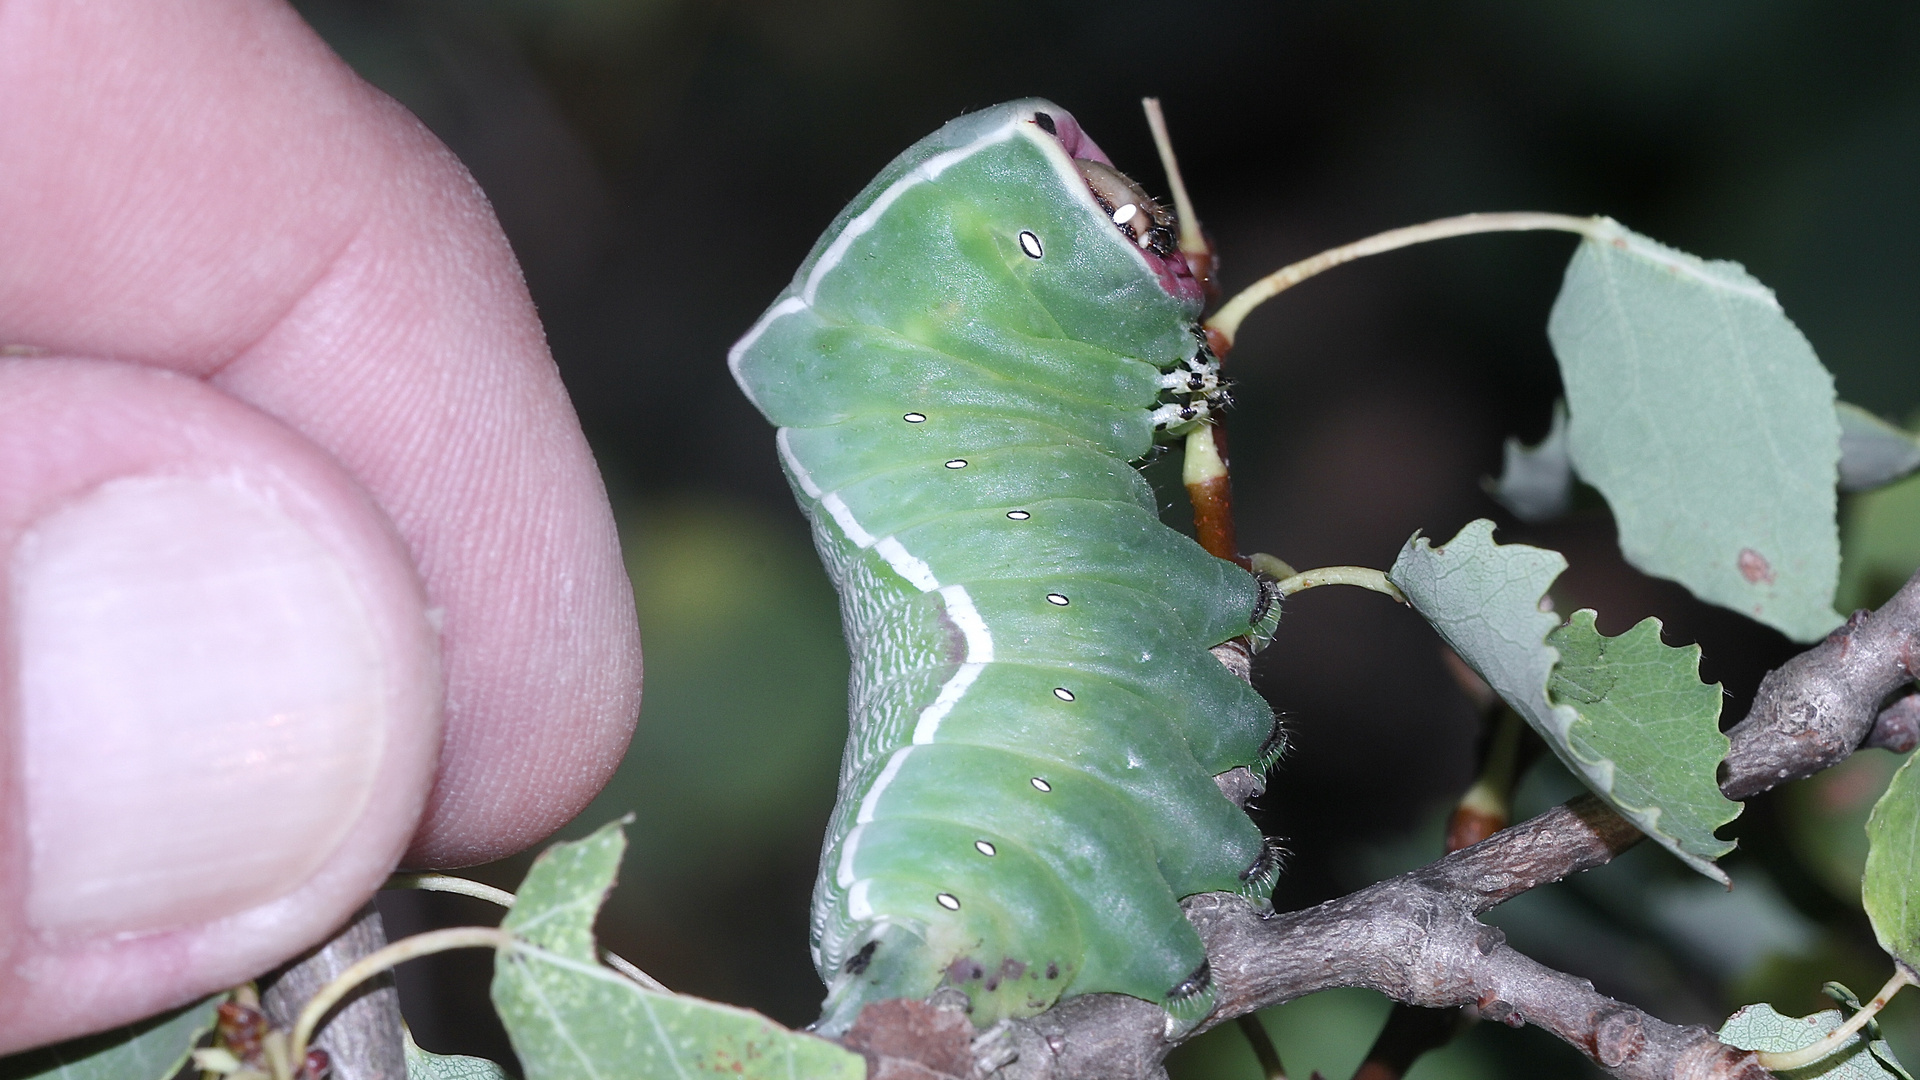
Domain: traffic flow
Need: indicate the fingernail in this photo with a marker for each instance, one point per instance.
(202, 704)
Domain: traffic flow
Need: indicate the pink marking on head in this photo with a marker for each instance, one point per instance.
(1176, 277)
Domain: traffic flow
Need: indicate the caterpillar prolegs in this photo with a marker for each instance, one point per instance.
(961, 372)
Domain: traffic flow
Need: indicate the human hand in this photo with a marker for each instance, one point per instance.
(274, 408)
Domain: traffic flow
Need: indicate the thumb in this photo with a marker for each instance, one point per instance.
(226, 700)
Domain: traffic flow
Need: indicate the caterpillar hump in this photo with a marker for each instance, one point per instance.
(962, 372)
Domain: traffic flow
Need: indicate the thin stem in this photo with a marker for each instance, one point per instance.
(1781, 1061)
(1363, 576)
(1210, 490)
(434, 941)
(1488, 804)
(1226, 322)
(1263, 1048)
(449, 884)
(625, 967)
(1192, 241)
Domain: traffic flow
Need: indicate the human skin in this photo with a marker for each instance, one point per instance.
(309, 571)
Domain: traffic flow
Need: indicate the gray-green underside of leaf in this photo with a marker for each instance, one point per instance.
(1628, 714)
(1703, 416)
(1761, 1027)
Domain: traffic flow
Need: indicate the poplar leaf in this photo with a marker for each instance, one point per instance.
(1701, 413)
(1761, 1027)
(1872, 451)
(1627, 714)
(424, 1065)
(1890, 889)
(569, 1017)
(153, 1049)
(1536, 482)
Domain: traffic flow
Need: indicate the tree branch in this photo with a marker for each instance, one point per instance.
(1417, 938)
(363, 1038)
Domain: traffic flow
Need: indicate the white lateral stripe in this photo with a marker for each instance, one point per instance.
(967, 617)
(906, 565)
(950, 695)
(843, 876)
(845, 519)
(929, 169)
(859, 909)
(785, 307)
(798, 470)
(868, 218)
(887, 774)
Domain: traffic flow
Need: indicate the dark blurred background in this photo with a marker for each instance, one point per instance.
(662, 166)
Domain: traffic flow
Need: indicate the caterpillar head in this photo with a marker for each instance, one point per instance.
(1133, 213)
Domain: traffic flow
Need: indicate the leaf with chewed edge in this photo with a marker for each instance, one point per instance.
(153, 1049)
(1627, 714)
(1701, 413)
(1536, 482)
(1761, 1027)
(569, 1017)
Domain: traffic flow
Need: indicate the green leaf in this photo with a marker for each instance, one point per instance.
(1890, 889)
(1703, 416)
(1649, 724)
(1536, 482)
(1872, 451)
(570, 1017)
(153, 1049)
(1628, 714)
(423, 1065)
(1760, 1027)
(563, 891)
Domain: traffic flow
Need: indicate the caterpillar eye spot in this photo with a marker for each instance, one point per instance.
(915, 418)
(1058, 599)
(1053, 971)
(1063, 693)
(948, 901)
(1045, 122)
(1041, 785)
(1018, 515)
(985, 848)
(1125, 214)
(1030, 244)
(957, 463)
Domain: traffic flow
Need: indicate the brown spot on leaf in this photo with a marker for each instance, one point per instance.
(1755, 567)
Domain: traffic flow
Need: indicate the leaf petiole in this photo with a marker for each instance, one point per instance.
(447, 883)
(1226, 322)
(1783, 1060)
(1364, 577)
(433, 941)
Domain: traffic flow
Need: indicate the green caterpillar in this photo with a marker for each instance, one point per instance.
(961, 372)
